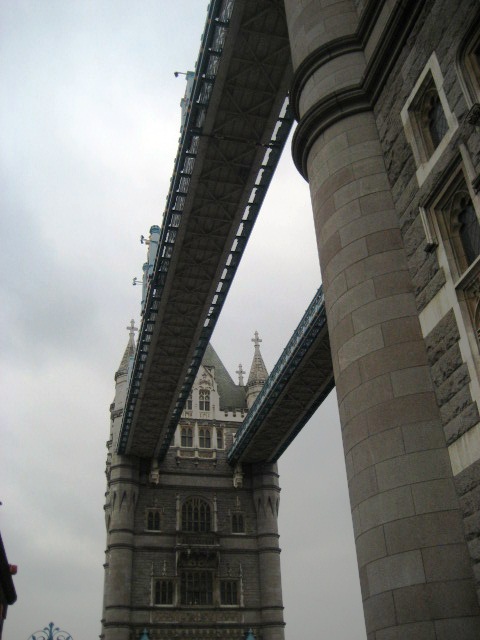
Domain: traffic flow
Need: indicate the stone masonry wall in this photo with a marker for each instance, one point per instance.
(440, 29)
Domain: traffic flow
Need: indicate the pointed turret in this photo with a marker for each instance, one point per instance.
(129, 352)
(258, 372)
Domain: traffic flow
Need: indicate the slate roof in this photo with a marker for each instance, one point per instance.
(232, 396)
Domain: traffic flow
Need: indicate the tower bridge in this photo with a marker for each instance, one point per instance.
(386, 94)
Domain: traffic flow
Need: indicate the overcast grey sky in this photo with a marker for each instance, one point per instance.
(89, 121)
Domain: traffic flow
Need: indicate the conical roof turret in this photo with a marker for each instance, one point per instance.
(258, 372)
(129, 352)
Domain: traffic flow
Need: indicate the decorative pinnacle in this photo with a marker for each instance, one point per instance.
(256, 340)
(131, 328)
(240, 373)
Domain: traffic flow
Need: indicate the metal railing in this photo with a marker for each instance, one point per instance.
(313, 320)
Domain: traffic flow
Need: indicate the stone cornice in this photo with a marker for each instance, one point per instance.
(324, 114)
(356, 98)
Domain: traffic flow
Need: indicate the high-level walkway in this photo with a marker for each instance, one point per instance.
(232, 139)
(298, 384)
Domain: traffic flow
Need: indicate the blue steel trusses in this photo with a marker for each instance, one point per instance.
(208, 63)
(308, 342)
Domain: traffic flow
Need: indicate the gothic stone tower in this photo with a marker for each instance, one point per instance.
(192, 545)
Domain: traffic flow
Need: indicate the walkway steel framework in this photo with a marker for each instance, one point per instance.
(232, 140)
(298, 384)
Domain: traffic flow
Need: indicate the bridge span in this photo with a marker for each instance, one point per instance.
(298, 384)
(232, 139)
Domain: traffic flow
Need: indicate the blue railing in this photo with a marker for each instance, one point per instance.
(312, 322)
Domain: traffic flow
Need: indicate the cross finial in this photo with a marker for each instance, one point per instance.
(131, 328)
(256, 340)
(240, 373)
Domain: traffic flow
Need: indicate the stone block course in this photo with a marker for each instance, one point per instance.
(422, 531)
(414, 467)
(449, 562)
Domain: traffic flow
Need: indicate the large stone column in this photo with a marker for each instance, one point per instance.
(266, 495)
(414, 567)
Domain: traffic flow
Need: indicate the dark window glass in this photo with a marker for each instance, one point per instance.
(196, 588)
(153, 520)
(204, 439)
(437, 123)
(228, 592)
(186, 439)
(238, 523)
(196, 516)
(163, 592)
(469, 230)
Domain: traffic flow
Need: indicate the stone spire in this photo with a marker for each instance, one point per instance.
(258, 372)
(129, 351)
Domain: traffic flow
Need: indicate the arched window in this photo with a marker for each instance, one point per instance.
(153, 520)
(186, 437)
(219, 438)
(196, 516)
(188, 405)
(204, 438)
(238, 523)
(204, 400)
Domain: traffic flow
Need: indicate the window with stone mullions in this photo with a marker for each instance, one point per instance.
(186, 437)
(429, 115)
(196, 516)
(163, 592)
(228, 592)
(196, 588)
(204, 438)
(238, 523)
(153, 520)
(204, 400)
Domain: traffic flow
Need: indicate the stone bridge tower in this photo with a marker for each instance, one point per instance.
(192, 544)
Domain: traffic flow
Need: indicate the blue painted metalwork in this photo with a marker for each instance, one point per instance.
(50, 633)
(144, 635)
(312, 322)
(213, 39)
(249, 635)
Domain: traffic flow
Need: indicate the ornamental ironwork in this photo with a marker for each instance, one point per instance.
(50, 633)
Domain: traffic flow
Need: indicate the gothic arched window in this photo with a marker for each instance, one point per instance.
(188, 405)
(196, 516)
(238, 523)
(186, 437)
(153, 520)
(204, 400)
(204, 438)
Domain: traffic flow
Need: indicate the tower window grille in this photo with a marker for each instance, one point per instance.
(228, 592)
(220, 439)
(196, 516)
(196, 588)
(163, 593)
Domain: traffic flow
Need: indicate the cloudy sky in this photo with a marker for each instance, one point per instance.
(89, 121)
